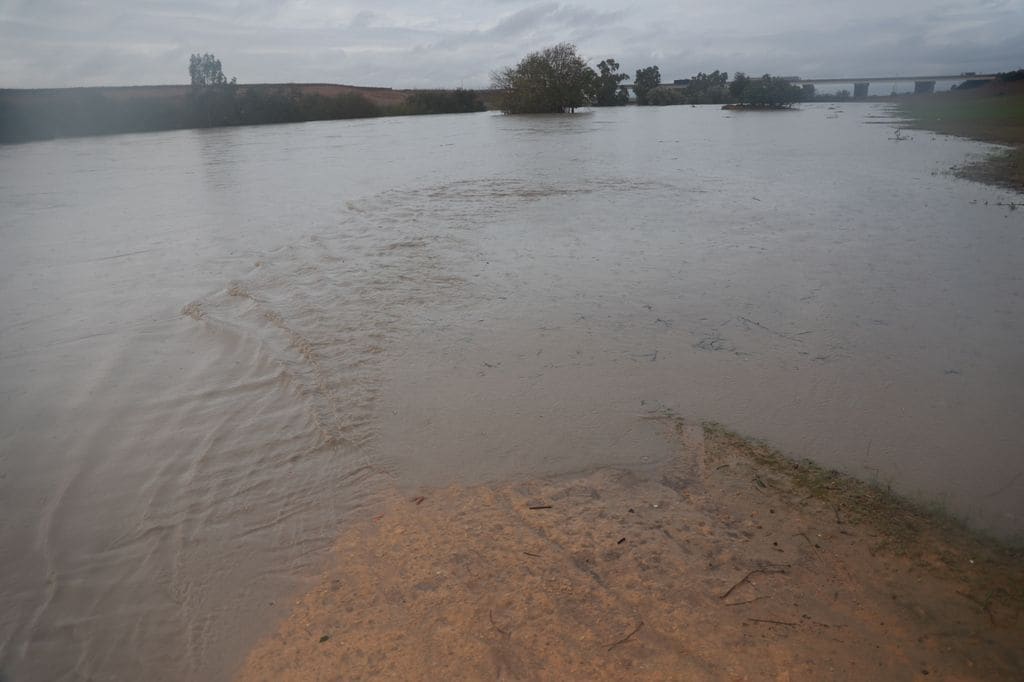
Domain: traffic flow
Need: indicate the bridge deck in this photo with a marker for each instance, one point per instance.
(898, 79)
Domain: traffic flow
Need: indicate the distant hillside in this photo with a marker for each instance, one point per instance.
(38, 114)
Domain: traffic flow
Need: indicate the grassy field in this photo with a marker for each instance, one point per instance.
(27, 115)
(994, 113)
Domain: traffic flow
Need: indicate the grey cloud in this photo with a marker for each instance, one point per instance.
(399, 43)
(545, 19)
(523, 20)
(362, 19)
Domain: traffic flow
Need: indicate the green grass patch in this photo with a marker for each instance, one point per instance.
(991, 572)
(996, 118)
(991, 115)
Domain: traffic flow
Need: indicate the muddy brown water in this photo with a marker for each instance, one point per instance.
(216, 346)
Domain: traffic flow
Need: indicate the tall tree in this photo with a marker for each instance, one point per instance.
(608, 78)
(213, 100)
(771, 92)
(708, 88)
(646, 80)
(205, 69)
(739, 83)
(552, 81)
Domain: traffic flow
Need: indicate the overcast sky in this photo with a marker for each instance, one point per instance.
(407, 43)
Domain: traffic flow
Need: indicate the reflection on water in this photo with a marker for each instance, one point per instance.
(217, 345)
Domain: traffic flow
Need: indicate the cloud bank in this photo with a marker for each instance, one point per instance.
(404, 44)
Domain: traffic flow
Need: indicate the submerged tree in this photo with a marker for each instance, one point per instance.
(609, 93)
(708, 88)
(739, 83)
(646, 80)
(552, 81)
(213, 100)
(771, 92)
(664, 95)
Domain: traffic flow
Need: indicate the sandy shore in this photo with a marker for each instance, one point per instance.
(731, 563)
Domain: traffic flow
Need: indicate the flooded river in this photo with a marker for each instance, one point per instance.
(216, 346)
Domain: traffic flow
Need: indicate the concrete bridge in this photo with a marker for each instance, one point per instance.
(922, 84)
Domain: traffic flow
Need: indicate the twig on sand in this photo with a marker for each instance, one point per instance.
(539, 506)
(804, 536)
(531, 554)
(627, 637)
(985, 606)
(749, 601)
(774, 622)
(490, 615)
(774, 568)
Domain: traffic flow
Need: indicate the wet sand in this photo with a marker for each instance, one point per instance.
(729, 562)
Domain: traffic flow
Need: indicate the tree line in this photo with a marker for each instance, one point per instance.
(557, 79)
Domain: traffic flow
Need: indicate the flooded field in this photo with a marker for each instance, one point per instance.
(216, 346)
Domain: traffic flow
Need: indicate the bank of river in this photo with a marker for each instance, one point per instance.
(993, 113)
(221, 348)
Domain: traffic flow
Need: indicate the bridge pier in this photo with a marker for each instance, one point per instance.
(860, 90)
(924, 87)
